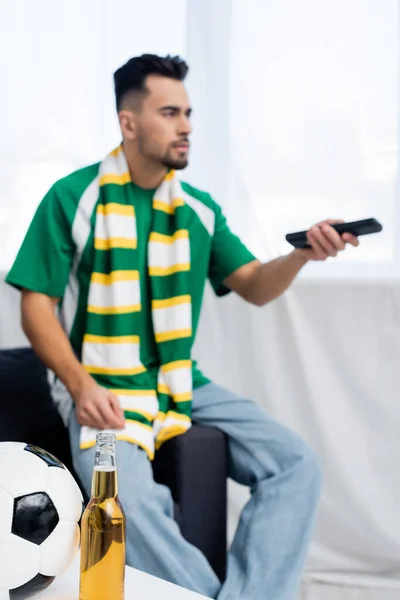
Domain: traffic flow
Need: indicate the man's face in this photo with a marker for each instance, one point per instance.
(163, 123)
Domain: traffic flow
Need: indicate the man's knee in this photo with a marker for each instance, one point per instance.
(306, 467)
(293, 456)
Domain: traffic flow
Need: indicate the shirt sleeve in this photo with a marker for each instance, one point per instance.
(44, 260)
(228, 253)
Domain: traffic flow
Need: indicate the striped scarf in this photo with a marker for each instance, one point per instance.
(157, 406)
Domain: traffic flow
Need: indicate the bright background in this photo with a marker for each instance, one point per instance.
(296, 109)
(296, 119)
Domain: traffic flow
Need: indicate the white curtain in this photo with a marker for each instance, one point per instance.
(324, 360)
(56, 104)
(310, 130)
(314, 119)
(296, 109)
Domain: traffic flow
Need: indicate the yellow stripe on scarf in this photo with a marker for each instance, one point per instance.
(175, 301)
(168, 208)
(181, 234)
(113, 208)
(163, 271)
(114, 371)
(109, 278)
(115, 179)
(116, 339)
(114, 310)
(175, 334)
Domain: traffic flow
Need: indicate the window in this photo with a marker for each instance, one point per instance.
(57, 107)
(314, 124)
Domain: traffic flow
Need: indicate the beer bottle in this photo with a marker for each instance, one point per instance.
(103, 545)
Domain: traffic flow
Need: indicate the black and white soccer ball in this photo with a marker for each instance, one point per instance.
(40, 510)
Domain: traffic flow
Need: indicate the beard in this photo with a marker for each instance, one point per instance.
(171, 159)
(175, 163)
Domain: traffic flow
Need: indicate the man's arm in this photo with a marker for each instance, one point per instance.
(260, 283)
(95, 405)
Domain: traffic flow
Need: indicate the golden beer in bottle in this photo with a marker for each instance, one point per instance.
(103, 545)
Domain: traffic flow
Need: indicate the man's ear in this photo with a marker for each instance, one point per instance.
(127, 122)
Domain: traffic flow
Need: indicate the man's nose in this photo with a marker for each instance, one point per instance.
(185, 127)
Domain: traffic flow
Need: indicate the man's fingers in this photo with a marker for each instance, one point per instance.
(98, 407)
(100, 415)
(320, 243)
(91, 417)
(109, 417)
(333, 237)
(317, 250)
(348, 238)
(326, 241)
(117, 410)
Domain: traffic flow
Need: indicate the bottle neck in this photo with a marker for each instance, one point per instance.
(104, 484)
(105, 480)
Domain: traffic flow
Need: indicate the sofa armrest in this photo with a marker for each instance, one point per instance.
(194, 467)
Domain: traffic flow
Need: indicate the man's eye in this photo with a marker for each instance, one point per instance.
(169, 113)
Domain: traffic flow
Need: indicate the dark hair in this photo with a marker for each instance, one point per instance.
(132, 75)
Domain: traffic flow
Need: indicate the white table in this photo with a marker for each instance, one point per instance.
(137, 585)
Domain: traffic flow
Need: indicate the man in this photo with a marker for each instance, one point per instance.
(123, 249)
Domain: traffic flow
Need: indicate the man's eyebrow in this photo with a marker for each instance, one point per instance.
(175, 109)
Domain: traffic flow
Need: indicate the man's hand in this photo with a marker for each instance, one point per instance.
(325, 241)
(260, 284)
(98, 407)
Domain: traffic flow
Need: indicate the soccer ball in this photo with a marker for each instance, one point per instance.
(40, 510)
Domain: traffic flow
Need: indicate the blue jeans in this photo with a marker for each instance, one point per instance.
(268, 552)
